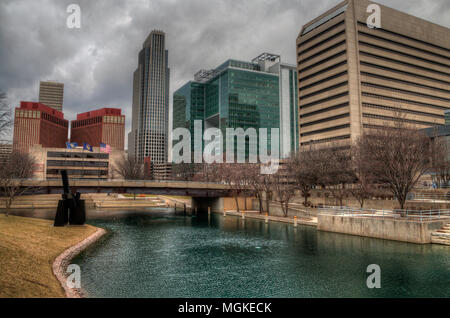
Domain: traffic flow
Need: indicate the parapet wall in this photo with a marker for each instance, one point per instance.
(398, 230)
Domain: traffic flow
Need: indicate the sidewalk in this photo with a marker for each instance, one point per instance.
(255, 215)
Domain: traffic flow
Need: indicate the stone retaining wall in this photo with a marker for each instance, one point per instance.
(62, 261)
(397, 230)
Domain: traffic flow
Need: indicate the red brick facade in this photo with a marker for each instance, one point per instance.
(38, 124)
(106, 125)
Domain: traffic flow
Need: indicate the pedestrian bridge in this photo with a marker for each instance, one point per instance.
(181, 188)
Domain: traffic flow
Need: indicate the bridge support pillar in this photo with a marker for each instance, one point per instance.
(203, 205)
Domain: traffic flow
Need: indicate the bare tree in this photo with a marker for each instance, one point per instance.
(204, 172)
(267, 184)
(398, 156)
(185, 171)
(232, 175)
(364, 187)
(6, 119)
(17, 169)
(440, 162)
(282, 188)
(256, 183)
(129, 168)
(339, 174)
(305, 171)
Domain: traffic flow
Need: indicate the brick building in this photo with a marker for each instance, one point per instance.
(106, 125)
(38, 124)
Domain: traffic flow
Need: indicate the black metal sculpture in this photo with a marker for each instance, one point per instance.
(70, 209)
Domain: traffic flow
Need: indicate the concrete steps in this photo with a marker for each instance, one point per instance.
(441, 236)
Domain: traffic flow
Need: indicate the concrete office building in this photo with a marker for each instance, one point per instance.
(38, 124)
(353, 78)
(150, 111)
(52, 94)
(106, 125)
(237, 94)
(79, 163)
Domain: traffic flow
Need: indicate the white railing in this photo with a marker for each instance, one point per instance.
(428, 196)
(404, 215)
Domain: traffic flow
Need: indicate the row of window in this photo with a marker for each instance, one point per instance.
(383, 48)
(323, 100)
(392, 79)
(64, 163)
(28, 113)
(332, 27)
(320, 131)
(409, 38)
(53, 154)
(325, 110)
(402, 110)
(329, 68)
(325, 19)
(323, 80)
(403, 63)
(321, 62)
(318, 44)
(401, 100)
(85, 122)
(404, 91)
(324, 120)
(388, 118)
(404, 72)
(80, 172)
(320, 141)
(325, 50)
(330, 88)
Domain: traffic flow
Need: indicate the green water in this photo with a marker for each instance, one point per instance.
(173, 256)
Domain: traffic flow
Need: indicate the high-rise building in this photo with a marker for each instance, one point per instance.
(237, 94)
(149, 128)
(353, 78)
(38, 124)
(52, 94)
(5, 152)
(106, 125)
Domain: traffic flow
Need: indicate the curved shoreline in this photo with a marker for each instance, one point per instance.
(63, 260)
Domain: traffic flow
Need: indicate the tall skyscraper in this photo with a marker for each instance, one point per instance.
(106, 125)
(353, 78)
(150, 112)
(52, 94)
(238, 94)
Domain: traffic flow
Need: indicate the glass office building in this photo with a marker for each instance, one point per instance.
(238, 94)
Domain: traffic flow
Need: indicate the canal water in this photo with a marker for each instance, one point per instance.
(161, 255)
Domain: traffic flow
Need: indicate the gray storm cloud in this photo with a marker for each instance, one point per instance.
(96, 62)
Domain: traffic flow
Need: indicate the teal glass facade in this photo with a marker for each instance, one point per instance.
(238, 95)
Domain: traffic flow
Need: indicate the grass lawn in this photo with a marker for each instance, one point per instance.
(28, 248)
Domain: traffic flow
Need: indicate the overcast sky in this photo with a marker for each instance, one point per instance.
(97, 61)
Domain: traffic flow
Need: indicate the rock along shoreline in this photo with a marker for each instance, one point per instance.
(63, 260)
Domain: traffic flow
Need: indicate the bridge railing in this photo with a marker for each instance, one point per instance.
(428, 196)
(123, 180)
(403, 215)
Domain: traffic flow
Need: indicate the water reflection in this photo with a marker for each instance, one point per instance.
(213, 256)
